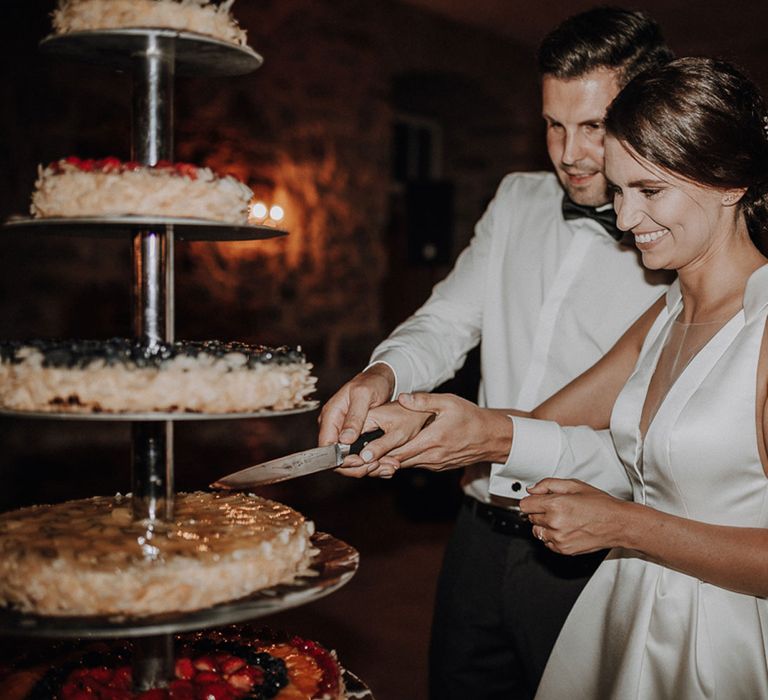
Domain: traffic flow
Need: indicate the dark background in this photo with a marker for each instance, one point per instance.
(382, 128)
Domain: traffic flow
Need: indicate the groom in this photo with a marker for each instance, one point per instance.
(547, 288)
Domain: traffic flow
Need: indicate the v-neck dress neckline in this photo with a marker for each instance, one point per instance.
(640, 630)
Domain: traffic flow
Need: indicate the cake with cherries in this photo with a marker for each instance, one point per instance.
(89, 557)
(74, 187)
(197, 16)
(227, 665)
(121, 375)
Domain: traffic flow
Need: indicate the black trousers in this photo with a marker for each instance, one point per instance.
(501, 601)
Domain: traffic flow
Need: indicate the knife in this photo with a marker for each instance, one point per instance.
(297, 464)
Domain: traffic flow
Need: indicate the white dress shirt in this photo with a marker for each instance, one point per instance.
(548, 298)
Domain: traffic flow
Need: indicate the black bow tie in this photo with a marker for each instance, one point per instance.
(605, 215)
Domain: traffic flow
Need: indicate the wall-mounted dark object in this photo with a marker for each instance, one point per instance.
(429, 221)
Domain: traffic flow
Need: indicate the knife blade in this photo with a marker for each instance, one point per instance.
(294, 465)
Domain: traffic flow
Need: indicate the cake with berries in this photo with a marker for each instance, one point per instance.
(89, 557)
(197, 16)
(75, 187)
(225, 665)
(121, 375)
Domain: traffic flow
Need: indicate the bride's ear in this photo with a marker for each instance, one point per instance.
(732, 196)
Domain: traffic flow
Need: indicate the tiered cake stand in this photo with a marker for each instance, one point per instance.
(155, 57)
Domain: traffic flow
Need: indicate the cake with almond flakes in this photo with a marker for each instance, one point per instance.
(75, 187)
(89, 557)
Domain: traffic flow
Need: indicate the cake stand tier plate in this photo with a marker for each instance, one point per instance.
(121, 226)
(195, 54)
(157, 415)
(334, 564)
(356, 689)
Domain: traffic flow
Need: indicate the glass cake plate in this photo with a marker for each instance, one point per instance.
(184, 229)
(334, 565)
(157, 415)
(195, 54)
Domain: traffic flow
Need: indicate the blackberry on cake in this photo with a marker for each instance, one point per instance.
(76, 187)
(196, 16)
(89, 557)
(122, 375)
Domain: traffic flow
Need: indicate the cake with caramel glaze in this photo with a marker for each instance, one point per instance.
(89, 557)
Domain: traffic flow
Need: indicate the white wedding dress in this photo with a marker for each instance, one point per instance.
(640, 630)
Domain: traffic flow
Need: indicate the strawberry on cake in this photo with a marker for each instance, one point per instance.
(75, 187)
(89, 557)
(197, 16)
(122, 375)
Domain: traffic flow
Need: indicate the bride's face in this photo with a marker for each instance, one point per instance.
(676, 223)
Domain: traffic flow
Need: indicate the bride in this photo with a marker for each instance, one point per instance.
(678, 609)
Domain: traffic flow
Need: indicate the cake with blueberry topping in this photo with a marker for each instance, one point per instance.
(75, 187)
(127, 376)
(196, 16)
(89, 557)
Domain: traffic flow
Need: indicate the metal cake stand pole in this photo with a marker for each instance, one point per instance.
(153, 322)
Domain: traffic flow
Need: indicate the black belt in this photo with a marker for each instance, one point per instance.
(505, 520)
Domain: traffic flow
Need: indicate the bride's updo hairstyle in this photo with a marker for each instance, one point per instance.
(705, 121)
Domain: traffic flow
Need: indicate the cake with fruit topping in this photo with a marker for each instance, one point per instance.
(89, 557)
(197, 16)
(73, 187)
(121, 375)
(224, 665)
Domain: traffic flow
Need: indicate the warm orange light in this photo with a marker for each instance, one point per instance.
(259, 211)
(261, 214)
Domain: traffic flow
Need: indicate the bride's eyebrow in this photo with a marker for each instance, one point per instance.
(649, 182)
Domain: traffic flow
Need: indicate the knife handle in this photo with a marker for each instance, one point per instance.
(358, 445)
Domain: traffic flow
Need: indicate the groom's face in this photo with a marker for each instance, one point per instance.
(574, 111)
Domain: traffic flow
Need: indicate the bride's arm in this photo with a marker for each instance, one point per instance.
(578, 518)
(573, 518)
(542, 447)
(588, 399)
(462, 433)
(729, 557)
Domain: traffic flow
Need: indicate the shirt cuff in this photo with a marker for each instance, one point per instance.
(400, 365)
(395, 391)
(535, 455)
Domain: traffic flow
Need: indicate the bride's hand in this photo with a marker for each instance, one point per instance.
(572, 517)
(461, 433)
(399, 425)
